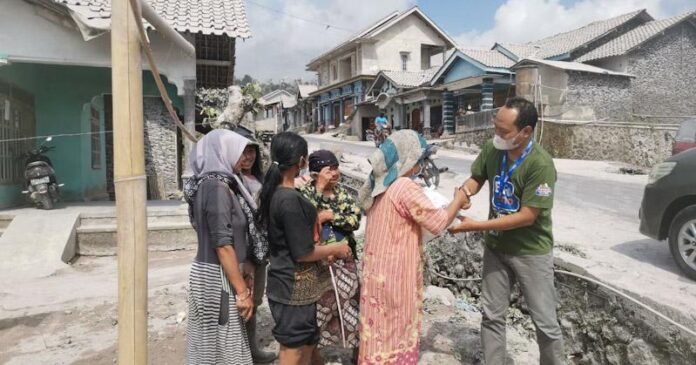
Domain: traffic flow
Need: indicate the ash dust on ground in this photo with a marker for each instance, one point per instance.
(70, 318)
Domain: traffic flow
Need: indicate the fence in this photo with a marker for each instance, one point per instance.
(475, 121)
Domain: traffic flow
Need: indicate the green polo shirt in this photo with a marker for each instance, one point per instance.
(532, 184)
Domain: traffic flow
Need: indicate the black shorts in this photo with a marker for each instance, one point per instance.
(295, 325)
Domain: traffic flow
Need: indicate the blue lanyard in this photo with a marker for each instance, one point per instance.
(505, 177)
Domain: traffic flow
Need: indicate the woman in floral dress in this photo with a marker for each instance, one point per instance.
(339, 216)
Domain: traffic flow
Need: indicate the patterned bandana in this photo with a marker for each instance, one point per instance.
(394, 158)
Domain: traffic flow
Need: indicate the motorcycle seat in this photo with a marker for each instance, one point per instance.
(37, 164)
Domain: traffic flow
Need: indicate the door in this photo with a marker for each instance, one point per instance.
(416, 123)
(367, 123)
(347, 108)
(17, 122)
(436, 120)
(336, 115)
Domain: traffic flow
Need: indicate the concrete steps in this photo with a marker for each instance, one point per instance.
(37, 245)
(167, 231)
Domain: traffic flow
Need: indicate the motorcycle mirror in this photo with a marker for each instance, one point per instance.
(49, 139)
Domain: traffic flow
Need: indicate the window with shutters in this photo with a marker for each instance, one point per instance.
(16, 124)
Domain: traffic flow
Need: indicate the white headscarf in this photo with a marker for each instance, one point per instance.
(218, 152)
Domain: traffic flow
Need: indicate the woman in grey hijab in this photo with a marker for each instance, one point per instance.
(219, 298)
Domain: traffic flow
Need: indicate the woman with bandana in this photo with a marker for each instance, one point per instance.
(338, 216)
(391, 298)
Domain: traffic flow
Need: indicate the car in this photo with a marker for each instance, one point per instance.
(686, 137)
(668, 209)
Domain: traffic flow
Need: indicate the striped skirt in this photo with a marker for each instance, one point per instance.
(215, 333)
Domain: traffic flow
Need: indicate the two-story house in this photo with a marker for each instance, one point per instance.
(402, 41)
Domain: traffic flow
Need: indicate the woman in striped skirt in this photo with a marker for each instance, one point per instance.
(219, 298)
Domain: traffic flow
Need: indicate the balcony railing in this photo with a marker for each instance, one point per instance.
(475, 121)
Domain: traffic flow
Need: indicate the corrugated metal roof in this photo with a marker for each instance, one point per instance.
(489, 58)
(569, 66)
(635, 38)
(218, 17)
(566, 42)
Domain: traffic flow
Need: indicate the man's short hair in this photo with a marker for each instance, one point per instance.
(526, 112)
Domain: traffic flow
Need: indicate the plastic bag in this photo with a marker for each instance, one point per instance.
(439, 201)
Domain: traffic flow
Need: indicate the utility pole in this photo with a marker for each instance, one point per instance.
(130, 182)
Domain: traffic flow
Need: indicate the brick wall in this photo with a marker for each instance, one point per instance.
(161, 145)
(666, 75)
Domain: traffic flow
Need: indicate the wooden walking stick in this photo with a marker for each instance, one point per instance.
(338, 302)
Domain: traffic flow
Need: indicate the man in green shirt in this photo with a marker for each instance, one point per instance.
(519, 238)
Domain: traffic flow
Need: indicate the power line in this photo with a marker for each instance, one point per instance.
(327, 25)
(52, 136)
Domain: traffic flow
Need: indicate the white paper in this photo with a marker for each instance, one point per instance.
(439, 201)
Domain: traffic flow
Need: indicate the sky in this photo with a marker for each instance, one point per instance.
(286, 34)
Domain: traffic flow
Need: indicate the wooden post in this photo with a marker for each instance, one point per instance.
(130, 182)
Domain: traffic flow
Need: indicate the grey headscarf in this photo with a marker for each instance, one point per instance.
(218, 151)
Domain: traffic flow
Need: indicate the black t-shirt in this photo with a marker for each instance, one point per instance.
(291, 237)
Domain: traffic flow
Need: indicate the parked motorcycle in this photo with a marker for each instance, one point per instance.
(40, 178)
(430, 173)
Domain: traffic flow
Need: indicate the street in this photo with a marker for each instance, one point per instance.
(620, 198)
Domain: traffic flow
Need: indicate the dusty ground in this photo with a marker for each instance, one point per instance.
(70, 318)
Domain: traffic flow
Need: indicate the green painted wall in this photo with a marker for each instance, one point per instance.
(62, 98)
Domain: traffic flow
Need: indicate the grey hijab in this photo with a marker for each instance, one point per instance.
(218, 152)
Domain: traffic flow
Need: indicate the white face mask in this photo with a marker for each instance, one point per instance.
(303, 171)
(416, 175)
(503, 144)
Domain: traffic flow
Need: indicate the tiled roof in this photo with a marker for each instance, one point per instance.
(489, 58)
(635, 37)
(569, 66)
(277, 96)
(405, 79)
(520, 50)
(306, 89)
(218, 17)
(380, 26)
(562, 43)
